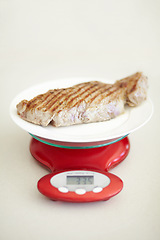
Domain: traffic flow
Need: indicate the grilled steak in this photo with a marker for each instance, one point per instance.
(136, 88)
(86, 102)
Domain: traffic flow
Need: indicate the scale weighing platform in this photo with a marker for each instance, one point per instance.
(79, 157)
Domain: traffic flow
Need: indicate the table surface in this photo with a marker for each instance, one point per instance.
(49, 40)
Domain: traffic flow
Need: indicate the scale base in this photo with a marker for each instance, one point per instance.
(100, 159)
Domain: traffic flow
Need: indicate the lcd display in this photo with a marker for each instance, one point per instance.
(80, 180)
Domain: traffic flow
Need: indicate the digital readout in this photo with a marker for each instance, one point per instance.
(80, 180)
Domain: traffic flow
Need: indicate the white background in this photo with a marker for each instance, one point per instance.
(42, 40)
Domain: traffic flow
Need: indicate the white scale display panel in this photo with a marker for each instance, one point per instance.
(80, 181)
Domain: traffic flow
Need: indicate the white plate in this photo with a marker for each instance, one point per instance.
(131, 120)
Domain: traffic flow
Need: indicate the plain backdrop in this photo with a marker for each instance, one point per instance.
(46, 40)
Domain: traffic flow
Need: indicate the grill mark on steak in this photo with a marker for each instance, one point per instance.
(62, 93)
(80, 97)
(99, 97)
(46, 106)
(108, 91)
(85, 96)
(64, 98)
(68, 102)
(79, 92)
(91, 94)
(37, 101)
(33, 101)
(134, 85)
(52, 94)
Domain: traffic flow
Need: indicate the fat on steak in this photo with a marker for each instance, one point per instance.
(86, 102)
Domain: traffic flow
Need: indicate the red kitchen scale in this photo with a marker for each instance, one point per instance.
(79, 173)
(79, 157)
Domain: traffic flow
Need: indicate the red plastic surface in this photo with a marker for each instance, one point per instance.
(53, 193)
(100, 159)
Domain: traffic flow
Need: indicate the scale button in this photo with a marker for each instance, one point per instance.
(80, 191)
(63, 189)
(97, 189)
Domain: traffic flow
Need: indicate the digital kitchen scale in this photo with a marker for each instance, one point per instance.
(79, 157)
(79, 173)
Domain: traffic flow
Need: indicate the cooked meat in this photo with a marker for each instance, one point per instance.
(85, 102)
(136, 88)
